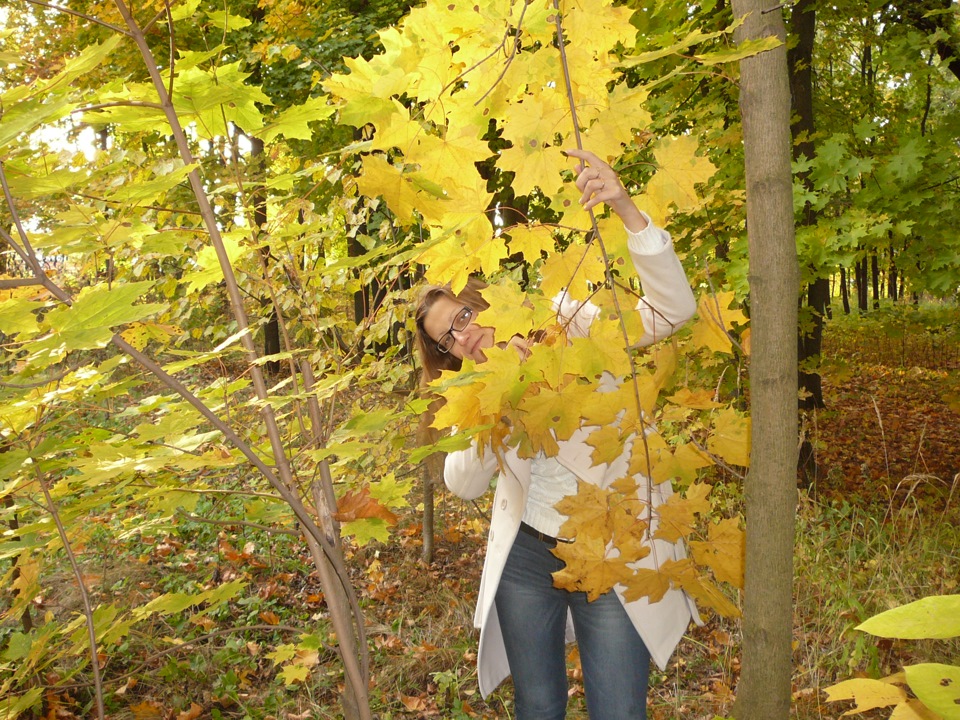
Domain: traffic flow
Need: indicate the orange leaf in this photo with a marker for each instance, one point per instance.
(358, 504)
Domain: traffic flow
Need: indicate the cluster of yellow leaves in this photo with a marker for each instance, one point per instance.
(452, 76)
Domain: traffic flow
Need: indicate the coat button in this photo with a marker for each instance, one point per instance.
(491, 536)
(503, 504)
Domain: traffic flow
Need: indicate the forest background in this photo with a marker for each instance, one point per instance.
(219, 491)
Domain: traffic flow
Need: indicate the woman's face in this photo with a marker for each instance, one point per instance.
(468, 343)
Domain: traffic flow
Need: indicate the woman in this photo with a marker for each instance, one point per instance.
(524, 620)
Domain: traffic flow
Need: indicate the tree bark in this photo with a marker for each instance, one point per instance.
(765, 683)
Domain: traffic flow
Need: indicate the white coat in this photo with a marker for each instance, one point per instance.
(667, 303)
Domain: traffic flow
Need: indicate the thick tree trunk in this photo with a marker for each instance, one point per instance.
(765, 683)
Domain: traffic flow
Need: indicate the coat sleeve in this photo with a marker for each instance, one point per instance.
(468, 472)
(667, 301)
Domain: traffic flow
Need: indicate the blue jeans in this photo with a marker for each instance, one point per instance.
(533, 614)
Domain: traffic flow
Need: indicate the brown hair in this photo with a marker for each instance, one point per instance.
(433, 360)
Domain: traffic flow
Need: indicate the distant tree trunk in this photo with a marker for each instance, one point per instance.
(861, 282)
(892, 276)
(271, 330)
(844, 290)
(803, 24)
(765, 682)
(875, 276)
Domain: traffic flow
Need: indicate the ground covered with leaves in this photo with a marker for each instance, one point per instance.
(878, 527)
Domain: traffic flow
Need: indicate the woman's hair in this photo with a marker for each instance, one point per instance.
(433, 360)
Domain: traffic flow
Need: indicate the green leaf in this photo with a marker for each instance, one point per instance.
(89, 322)
(294, 122)
(226, 21)
(184, 10)
(937, 686)
(367, 529)
(936, 617)
(14, 706)
(743, 50)
(18, 646)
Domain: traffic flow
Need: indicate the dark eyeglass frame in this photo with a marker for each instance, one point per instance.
(459, 324)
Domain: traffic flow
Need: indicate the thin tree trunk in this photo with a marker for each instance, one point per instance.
(875, 278)
(844, 291)
(765, 683)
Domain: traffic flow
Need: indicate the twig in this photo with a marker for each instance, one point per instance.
(88, 18)
(87, 607)
(244, 523)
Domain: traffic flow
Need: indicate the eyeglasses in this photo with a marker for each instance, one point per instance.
(459, 324)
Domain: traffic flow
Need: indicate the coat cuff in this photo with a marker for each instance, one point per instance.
(649, 241)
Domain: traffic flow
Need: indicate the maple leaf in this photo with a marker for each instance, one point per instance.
(592, 566)
(586, 511)
(730, 437)
(698, 399)
(715, 320)
(680, 169)
(531, 241)
(644, 451)
(508, 304)
(677, 515)
(554, 409)
(723, 553)
(398, 189)
(651, 584)
(607, 444)
(534, 165)
(450, 159)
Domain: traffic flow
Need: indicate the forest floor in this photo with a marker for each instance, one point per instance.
(878, 526)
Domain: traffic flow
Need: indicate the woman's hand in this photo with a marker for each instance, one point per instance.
(520, 344)
(599, 184)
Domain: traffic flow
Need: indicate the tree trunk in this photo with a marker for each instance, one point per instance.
(875, 277)
(271, 329)
(803, 24)
(765, 683)
(844, 290)
(862, 295)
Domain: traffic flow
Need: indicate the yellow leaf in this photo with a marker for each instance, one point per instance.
(554, 410)
(398, 189)
(698, 399)
(715, 320)
(651, 584)
(723, 553)
(677, 514)
(530, 241)
(913, 710)
(607, 444)
(573, 270)
(730, 437)
(867, 694)
(680, 170)
(535, 165)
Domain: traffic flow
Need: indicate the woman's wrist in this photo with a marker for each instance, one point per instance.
(630, 215)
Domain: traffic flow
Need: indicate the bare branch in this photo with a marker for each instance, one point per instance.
(88, 18)
(87, 607)
(19, 282)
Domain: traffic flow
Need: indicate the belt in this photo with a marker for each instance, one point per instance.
(548, 540)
